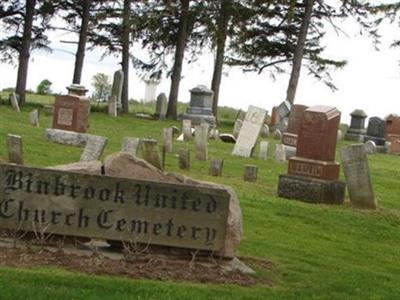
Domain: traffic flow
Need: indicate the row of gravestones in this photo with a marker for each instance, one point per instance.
(312, 171)
(382, 135)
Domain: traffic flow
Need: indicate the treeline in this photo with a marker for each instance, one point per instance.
(255, 35)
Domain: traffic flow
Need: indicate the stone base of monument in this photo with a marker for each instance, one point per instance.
(199, 119)
(311, 190)
(378, 141)
(349, 136)
(319, 169)
(290, 152)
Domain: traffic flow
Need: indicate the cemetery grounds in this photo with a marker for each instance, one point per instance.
(299, 250)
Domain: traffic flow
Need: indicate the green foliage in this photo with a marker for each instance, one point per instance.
(44, 87)
(102, 87)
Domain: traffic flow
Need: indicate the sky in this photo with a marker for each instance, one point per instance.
(370, 80)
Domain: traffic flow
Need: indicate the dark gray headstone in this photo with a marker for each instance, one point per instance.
(250, 173)
(161, 107)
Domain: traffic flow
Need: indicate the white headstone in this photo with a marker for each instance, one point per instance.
(370, 147)
(14, 102)
(280, 153)
(249, 132)
(263, 154)
(34, 118)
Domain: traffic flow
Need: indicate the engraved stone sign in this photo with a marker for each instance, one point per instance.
(249, 132)
(113, 208)
(358, 178)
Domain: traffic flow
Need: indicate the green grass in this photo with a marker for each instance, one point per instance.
(320, 251)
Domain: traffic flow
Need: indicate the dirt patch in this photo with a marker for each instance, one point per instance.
(135, 265)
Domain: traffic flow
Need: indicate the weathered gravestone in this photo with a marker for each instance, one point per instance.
(151, 153)
(376, 131)
(168, 136)
(94, 148)
(116, 93)
(263, 154)
(71, 112)
(313, 173)
(187, 130)
(184, 159)
(236, 127)
(216, 166)
(213, 134)
(264, 133)
(201, 138)
(200, 106)
(34, 118)
(131, 145)
(250, 173)
(282, 116)
(180, 215)
(280, 153)
(15, 150)
(357, 125)
(289, 137)
(161, 107)
(370, 147)
(14, 102)
(358, 178)
(249, 132)
(67, 137)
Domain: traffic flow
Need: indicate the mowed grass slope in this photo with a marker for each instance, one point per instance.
(319, 251)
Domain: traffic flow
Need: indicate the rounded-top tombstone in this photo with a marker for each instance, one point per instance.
(376, 131)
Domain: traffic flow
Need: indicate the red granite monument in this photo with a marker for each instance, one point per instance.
(313, 173)
(289, 138)
(71, 112)
(392, 127)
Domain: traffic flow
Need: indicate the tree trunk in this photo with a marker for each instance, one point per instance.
(178, 61)
(80, 52)
(125, 56)
(298, 54)
(24, 51)
(222, 25)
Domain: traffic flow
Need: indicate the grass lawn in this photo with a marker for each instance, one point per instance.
(319, 251)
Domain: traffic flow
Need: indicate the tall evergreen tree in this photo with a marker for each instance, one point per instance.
(19, 41)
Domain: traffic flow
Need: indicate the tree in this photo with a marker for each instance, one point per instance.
(18, 41)
(44, 87)
(114, 32)
(102, 87)
(170, 28)
(299, 51)
(277, 35)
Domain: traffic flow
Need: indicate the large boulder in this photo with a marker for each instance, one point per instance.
(87, 167)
